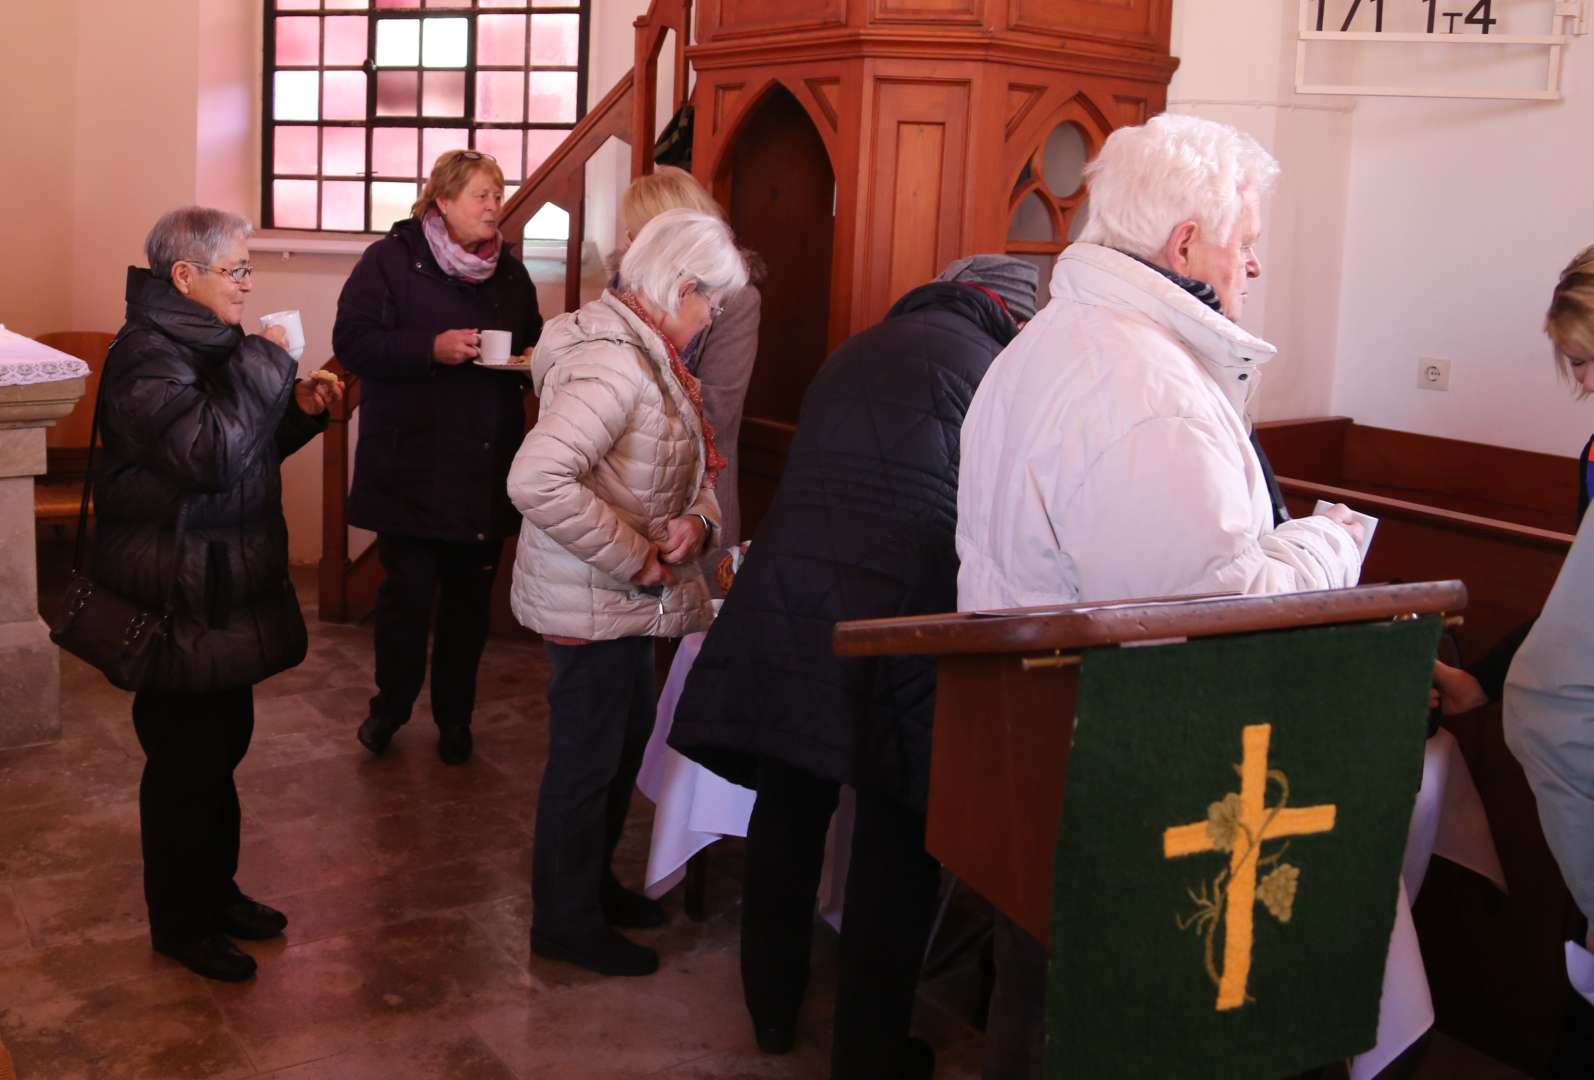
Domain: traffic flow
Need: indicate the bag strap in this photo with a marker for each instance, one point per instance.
(88, 487)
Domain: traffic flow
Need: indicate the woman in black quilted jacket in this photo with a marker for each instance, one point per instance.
(196, 418)
(861, 527)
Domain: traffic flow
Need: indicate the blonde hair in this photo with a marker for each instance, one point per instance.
(682, 245)
(451, 173)
(665, 188)
(1570, 320)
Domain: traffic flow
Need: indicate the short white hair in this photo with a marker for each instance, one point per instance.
(192, 234)
(1149, 179)
(680, 245)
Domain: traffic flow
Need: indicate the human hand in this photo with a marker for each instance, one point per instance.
(1344, 516)
(653, 571)
(1457, 691)
(314, 396)
(456, 346)
(276, 335)
(683, 538)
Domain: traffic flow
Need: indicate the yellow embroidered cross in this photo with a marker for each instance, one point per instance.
(1255, 823)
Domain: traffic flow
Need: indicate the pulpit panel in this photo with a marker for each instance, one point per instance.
(916, 189)
(936, 12)
(735, 18)
(1143, 22)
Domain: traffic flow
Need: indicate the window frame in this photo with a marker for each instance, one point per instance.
(471, 11)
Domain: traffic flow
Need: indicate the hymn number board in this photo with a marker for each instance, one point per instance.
(1436, 29)
(1480, 16)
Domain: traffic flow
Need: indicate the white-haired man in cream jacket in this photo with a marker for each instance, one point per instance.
(1107, 453)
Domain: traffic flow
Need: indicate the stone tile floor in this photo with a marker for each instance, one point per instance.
(407, 885)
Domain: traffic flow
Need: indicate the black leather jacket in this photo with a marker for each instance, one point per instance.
(197, 415)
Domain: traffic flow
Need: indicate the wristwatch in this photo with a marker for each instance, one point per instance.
(708, 527)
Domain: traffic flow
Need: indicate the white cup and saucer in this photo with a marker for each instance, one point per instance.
(291, 325)
(495, 346)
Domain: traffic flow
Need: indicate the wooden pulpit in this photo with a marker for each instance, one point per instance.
(1005, 701)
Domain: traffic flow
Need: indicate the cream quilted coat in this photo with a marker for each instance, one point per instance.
(616, 453)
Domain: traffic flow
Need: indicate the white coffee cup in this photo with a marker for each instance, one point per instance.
(291, 325)
(495, 346)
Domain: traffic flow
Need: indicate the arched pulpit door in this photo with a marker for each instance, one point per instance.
(782, 205)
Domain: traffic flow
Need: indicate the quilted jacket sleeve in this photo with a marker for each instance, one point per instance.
(201, 435)
(585, 407)
(1166, 511)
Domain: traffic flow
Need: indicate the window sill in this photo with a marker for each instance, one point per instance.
(289, 245)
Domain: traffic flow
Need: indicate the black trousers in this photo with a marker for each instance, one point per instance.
(890, 904)
(601, 705)
(188, 806)
(423, 578)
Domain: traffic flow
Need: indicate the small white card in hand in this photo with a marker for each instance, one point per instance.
(1369, 523)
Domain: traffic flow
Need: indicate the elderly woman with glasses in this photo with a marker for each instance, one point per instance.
(196, 417)
(437, 433)
(616, 488)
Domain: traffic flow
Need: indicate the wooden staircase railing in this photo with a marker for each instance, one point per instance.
(347, 587)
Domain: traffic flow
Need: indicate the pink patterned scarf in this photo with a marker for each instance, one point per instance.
(713, 462)
(454, 259)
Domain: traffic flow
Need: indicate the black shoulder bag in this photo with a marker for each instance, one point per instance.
(96, 625)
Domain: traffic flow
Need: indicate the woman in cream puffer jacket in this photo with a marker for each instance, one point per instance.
(615, 486)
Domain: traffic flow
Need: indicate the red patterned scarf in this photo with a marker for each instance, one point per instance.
(713, 463)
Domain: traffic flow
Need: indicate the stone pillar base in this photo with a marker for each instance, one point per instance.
(30, 685)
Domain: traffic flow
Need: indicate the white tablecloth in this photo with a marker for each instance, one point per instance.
(1448, 820)
(24, 361)
(695, 807)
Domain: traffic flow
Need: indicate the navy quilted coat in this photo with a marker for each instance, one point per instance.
(861, 527)
(436, 440)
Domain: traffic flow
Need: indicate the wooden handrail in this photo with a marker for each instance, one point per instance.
(1081, 626)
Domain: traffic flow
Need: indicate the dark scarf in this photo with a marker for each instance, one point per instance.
(1198, 289)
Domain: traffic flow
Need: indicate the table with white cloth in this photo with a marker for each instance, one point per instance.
(695, 807)
(38, 386)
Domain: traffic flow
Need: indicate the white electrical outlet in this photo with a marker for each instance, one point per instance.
(1433, 373)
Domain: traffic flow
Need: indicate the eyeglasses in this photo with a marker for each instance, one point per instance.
(239, 274)
(473, 155)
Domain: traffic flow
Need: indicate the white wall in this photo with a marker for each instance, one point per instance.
(38, 66)
(1462, 213)
(1237, 66)
(1405, 228)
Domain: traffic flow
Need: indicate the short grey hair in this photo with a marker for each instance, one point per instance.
(680, 245)
(192, 234)
(1149, 179)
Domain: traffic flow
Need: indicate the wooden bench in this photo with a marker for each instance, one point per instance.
(1501, 521)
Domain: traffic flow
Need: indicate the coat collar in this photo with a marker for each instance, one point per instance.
(1099, 276)
(156, 303)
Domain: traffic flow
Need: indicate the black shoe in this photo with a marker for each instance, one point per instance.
(251, 921)
(375, 734)
(630, 910)
(916, 1061)
(454, 744)
(775, 1038)
(607, 954)
(214, 957)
